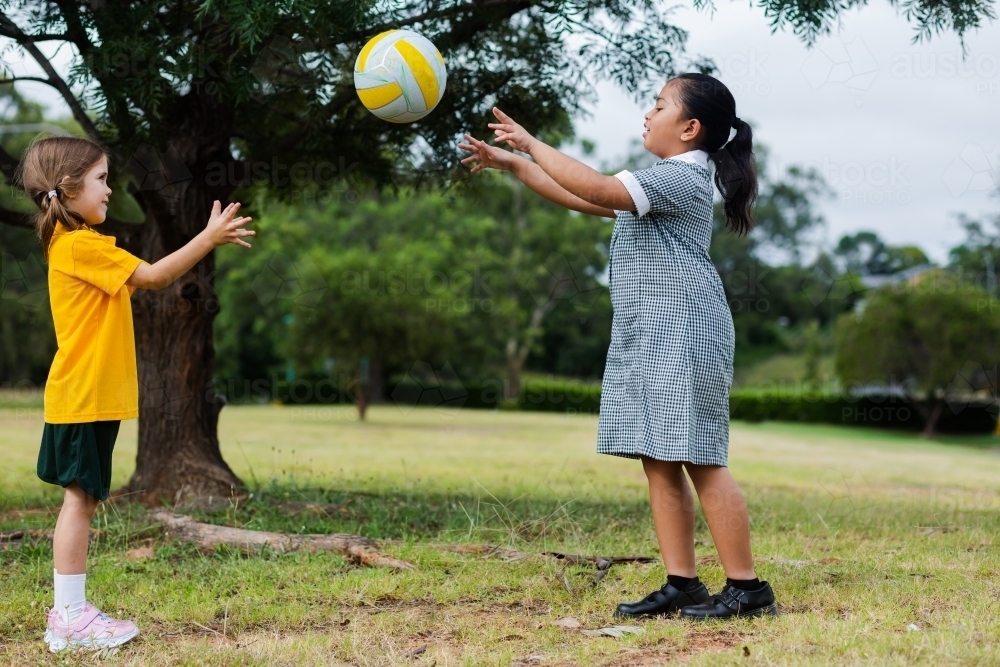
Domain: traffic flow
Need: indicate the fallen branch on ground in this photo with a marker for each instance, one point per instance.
(509, 555)
(603, 563)
(361, 550)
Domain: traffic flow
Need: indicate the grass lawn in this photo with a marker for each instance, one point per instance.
(881, 547)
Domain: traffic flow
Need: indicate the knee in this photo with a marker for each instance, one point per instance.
(652, 468)
(79, 501)
(660, 471)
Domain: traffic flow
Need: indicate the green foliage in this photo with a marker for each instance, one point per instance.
(272, 83)
(418, 278)
(866, 253)
(978, 257)
(919, 335)
(24, 307)
(817, 405)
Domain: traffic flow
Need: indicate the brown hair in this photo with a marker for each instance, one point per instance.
(59, 164)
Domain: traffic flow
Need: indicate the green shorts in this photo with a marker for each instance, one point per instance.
(79, 453)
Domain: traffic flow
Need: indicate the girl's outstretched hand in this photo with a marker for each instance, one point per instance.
(515, 135)
(486, 156)
(222, 228)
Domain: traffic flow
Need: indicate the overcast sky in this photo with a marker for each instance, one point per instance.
(905, 134)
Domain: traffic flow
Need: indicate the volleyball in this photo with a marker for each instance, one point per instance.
(400, 76)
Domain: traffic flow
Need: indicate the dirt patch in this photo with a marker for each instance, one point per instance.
(425, 632)
(697, 640)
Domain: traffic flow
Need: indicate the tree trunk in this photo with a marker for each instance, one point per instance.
(931, 418)
(517, 354)
(179, 456)
(361, 401)
(512, 387)
(369, 386)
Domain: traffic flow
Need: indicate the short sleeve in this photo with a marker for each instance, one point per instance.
(102, 264)
(666, 187)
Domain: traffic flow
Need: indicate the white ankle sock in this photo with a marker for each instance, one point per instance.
(71, 595)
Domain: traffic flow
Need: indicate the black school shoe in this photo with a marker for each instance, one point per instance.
(666, 600)
(732, 602)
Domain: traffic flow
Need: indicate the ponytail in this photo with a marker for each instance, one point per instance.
(736, 178)
(709, 100)
(52, 171)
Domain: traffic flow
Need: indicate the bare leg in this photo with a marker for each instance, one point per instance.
(673, 514)
(70, 539)
(726, 513)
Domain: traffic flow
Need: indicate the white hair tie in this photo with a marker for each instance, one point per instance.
(52, 193)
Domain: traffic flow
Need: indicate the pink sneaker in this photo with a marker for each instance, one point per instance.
(94, 630)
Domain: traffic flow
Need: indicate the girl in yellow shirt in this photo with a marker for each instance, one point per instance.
(92, 384)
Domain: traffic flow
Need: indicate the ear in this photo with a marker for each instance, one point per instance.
(691, 129)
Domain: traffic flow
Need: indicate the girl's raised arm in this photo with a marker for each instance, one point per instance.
(572, 175)
(220, 230)
(529, 173)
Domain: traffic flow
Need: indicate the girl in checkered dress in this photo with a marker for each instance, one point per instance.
(665, 393)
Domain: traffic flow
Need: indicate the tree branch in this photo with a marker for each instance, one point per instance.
(8, 165)
(26, 78)
(438, 14)
(50, 38)
(361, 550)
(9, 29)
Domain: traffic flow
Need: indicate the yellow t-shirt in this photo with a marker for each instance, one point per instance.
(93, 376)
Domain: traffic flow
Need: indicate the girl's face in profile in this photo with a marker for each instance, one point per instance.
(91, 201)
(667, 132)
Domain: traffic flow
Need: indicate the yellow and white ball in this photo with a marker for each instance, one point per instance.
(400, 76)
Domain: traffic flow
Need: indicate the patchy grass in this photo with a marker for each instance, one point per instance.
(862, 533)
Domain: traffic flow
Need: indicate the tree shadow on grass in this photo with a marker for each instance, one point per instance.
(532, 520)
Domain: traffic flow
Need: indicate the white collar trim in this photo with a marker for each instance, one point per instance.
(696, 156)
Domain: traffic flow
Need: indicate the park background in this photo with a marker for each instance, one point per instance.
(415, 357)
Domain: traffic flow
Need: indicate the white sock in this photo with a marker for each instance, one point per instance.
(71, 595)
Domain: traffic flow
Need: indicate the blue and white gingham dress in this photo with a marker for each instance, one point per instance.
(665, 393)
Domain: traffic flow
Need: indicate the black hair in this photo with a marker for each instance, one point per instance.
(707, 99)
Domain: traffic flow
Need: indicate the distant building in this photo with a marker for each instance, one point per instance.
(874, 281)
